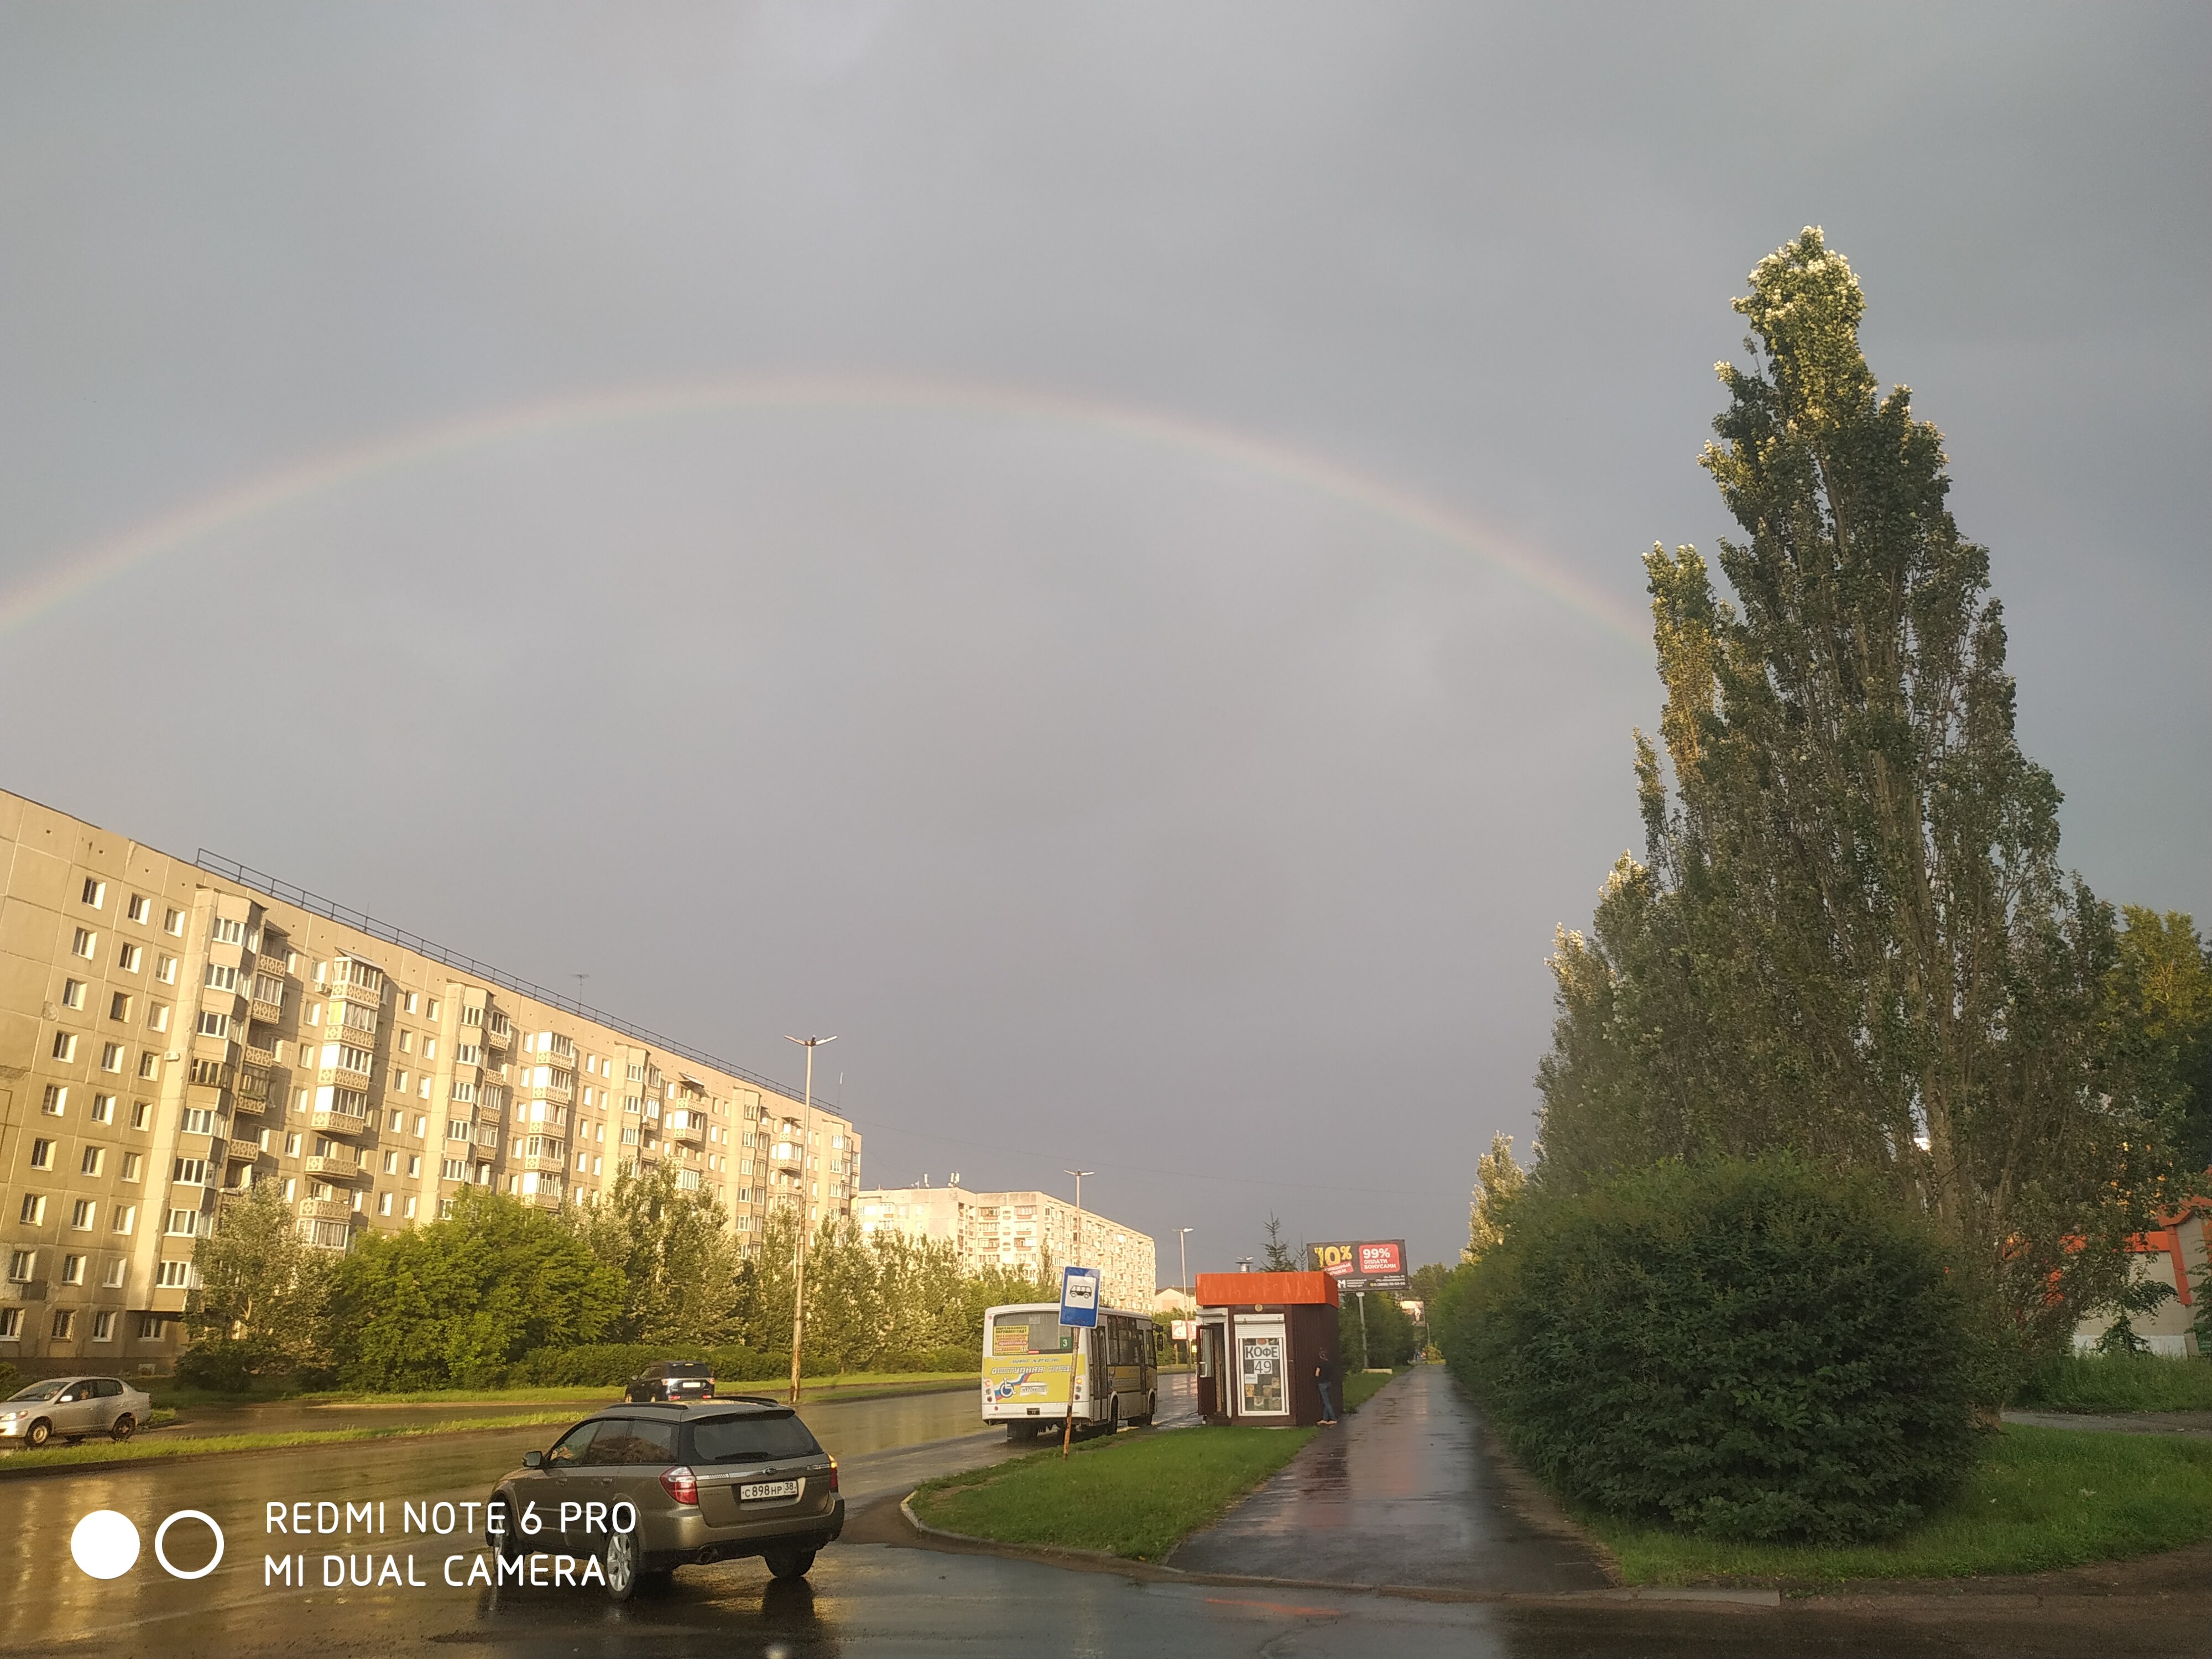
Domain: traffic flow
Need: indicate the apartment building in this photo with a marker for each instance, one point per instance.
(172, 1031)
(1018, 1231)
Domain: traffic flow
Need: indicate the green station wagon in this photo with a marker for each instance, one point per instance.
(647, 1488)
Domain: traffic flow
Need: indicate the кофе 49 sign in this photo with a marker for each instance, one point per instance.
(1363, 1264)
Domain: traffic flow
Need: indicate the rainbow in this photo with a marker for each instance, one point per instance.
(363, 465)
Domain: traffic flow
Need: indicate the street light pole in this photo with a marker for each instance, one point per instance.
(1078, 1246)
(798, 1273)
(1182, 1250)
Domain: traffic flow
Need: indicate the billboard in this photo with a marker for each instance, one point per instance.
(1375, 1264)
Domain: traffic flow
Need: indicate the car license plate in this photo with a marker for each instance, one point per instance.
(769, 1489)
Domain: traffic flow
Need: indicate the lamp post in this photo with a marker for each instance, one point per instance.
(1077, 1246)
(798, 1273)
(1182, 1252)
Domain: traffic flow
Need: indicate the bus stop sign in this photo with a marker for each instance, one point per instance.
(1078, 1296)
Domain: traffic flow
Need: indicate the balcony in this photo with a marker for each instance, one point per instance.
(344, 1077)
(324, 1209)
(332, 1167)
(246, 1106)
(543, 1198)
(549, 1162)
(263, 1058)
(268, 1013)
(341, 1123)
(253, 1082)
(243, 1151)
(688, 1126)
(563, 1092)
(788, 1155)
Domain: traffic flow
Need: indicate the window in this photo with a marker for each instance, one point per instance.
(421, 1125)
(183, 1224)
(157, 1016)
(11, 1324)
(190, 1172)
(228, 932)
(407, 1000)
(73, 993)
(127, 957)
(113, 1278)
(64, 1045)
(472, 1016)
(151, 1326)
(222, 978)
(171, 1276)
(149, 1064)
(173, 921)
(72, 1270)
(118, 1005)
(414, 1166)
(93, 1159)
(292, 1146)
(132, 1165)
(42, 1154)
(347, 1058)
(103, 1325)
(463, 1092)
(64, 1322)
(165, 970)
(423, 1086)
(210, 1073)
(110, 1057)
(399, 1079)
(430, 1047)
(384, 1203)
(431, 1012)
(83, 944)
(82, 1214)
(199, 1120)
(468, 1054)
(409, 1209)
(125, 1221)
(95, 891)
(140, 909)
(34, 1213)
(141, 1114)
(214, 1024)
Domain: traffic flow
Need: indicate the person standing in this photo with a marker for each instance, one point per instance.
(1325, 1372)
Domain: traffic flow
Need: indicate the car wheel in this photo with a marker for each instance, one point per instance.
(789, 1563)
(37, 1434)
(510, 1541)
(624, 1561)
(124, 1427)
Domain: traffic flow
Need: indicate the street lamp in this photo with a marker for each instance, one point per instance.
(1182, 1250)
(1077, 1246)
(799, 1275)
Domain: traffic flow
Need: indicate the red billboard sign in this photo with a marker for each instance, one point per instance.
(1363, 1264)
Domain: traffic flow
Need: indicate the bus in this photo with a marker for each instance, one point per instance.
(1030, 1359)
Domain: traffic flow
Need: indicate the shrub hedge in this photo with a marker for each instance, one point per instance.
(1751, 1351)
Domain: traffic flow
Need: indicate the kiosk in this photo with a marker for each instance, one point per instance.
(1260, 1337)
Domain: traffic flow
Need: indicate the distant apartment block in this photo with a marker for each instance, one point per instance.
(1020, 1230)
(170, 1032)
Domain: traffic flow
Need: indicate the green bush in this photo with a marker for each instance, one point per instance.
(1751, 1351)
(218, 1365)
(2118, 1382)
(11, 1379)
(610, 1364)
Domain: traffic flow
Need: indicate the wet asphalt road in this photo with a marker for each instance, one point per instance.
(866, 1597)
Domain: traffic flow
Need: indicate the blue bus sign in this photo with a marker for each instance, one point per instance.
(1078, 1296)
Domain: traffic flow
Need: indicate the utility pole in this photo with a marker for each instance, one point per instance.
(799, 1275)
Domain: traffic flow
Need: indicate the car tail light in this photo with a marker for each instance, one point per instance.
(681, 1484)
(833, 1474)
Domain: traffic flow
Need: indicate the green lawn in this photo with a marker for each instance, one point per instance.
(2139, 1382)
(2042, 1499)
(139, 1450)
(1135, 1495)
(1360, 1387)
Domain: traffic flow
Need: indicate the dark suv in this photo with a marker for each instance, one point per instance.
(705, 1482)
(684, 1380)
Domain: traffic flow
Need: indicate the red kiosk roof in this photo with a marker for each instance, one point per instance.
(1250, 1290)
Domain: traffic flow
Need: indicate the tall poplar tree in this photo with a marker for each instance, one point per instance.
(1850, 934)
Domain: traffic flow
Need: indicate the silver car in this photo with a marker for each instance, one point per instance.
(73, 1407)
(647, 1488)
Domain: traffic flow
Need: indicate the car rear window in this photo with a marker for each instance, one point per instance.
(750, 1439)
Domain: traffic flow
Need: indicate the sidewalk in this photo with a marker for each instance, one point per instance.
(1405, 1493)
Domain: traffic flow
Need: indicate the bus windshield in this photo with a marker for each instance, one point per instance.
(1032, 1333)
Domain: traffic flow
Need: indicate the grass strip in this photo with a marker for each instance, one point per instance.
(1361, 1387)
(814, 1385)
(1136, 1495)
(2118, 1382)
(2041, 1498)
(136, 1450)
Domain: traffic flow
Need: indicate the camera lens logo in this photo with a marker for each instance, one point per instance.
(105, 1543)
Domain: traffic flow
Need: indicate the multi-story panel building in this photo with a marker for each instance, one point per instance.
(174, 1030)
(1025, 1231)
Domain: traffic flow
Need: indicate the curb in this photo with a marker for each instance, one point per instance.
(1102, 1560)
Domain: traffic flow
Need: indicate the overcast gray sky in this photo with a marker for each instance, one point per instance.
(1130, 639)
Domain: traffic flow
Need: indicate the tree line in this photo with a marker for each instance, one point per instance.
(469, 1299)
